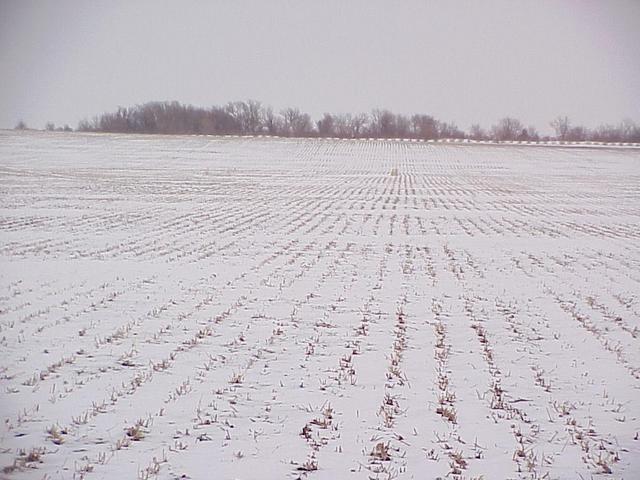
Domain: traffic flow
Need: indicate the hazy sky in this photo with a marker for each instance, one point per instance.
(462, 61)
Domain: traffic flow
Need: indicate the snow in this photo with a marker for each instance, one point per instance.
(205, 307)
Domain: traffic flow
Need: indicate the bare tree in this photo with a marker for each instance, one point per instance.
(296, 123)
(21, 125)
(562, 126)
(342, 125)
(403, 127)
(383, 124)
(272, 122)
(358, 124)
(254, 116)
(424, 127)
(327, 126)
(248, 116)
(630, 130)
(449, 130)
(607, 133)
(506, 129)
(117, 122)
(476, 132)
(577, 134)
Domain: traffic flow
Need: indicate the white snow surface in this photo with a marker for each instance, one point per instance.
(251, 308)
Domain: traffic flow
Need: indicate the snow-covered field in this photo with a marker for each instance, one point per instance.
(193, 307)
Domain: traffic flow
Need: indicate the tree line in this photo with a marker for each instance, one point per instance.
(251, 117)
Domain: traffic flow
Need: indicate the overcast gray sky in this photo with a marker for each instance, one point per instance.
(462, 61)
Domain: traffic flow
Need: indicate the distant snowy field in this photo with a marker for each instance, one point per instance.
(199, 307)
